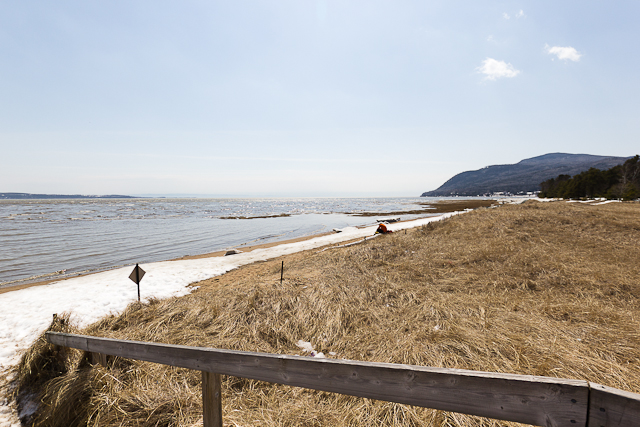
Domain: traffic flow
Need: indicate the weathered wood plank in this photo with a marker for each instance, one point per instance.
(610, 407)
(211, 399)
(527, 399)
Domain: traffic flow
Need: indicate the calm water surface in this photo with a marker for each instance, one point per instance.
(50, 239)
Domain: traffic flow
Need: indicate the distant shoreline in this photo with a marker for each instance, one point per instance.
(30, 196)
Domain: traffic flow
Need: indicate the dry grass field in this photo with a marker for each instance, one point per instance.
(539, 288)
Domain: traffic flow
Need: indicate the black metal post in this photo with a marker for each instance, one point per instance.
(138, 281)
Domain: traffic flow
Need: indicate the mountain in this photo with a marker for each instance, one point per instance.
(522, 177)
(59, 196)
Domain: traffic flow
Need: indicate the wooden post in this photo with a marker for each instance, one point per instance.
(99, 358)
(57, 348)
(281, 272)
(211, 399)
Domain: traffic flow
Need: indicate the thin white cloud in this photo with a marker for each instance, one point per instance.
(520, 14)
(564, 52)
(494, 69)
(505, 15)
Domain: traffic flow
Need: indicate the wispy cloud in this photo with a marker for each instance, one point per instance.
(565, 53)
(494, 69)
(517, 15)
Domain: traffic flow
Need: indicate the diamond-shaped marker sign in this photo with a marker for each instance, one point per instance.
(136, 275)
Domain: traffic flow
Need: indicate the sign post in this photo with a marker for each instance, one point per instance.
(136, 275)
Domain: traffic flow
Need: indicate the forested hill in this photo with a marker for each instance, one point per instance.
(618, 182)
(522, 177)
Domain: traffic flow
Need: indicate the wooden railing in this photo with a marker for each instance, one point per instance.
(541, 401)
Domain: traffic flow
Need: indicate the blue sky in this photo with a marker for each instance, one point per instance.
(306, 97)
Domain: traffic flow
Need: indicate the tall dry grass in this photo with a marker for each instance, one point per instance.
(544, 289)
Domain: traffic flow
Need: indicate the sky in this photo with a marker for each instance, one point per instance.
(315, 98)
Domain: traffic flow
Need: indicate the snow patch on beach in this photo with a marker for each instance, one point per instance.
(307, 347)
(520, 200)
(605, 202)
(8, 411)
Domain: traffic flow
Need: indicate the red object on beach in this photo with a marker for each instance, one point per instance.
(382, 228)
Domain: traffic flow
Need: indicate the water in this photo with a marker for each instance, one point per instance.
(52, 239)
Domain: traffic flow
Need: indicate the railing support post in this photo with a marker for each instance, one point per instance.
(211, 399)
(99, 358)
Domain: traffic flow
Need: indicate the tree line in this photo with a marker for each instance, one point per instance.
(619, 182)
